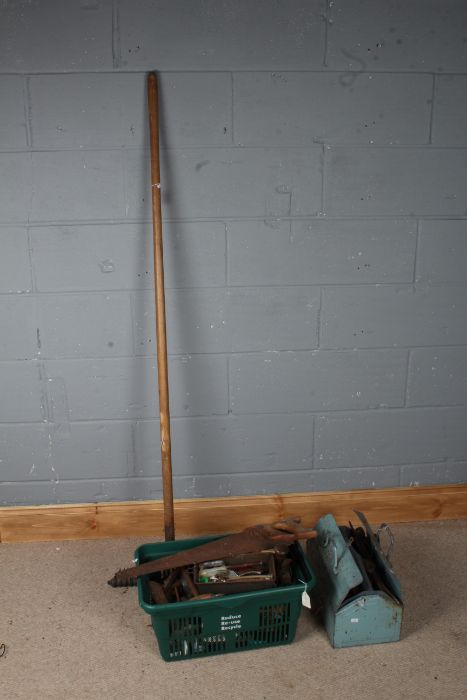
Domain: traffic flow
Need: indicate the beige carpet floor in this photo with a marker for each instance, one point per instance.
(68, 635)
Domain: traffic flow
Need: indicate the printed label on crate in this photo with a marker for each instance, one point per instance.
(231, 622)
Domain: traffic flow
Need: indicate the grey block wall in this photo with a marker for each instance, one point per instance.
(314, 180)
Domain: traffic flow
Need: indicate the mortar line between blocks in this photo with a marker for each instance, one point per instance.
(200, 148)
(45, 399)
(326, 32)
(312, 217)
(123, 166)
(27, 110)
(400, 474)
(32, 272)
(227, 69)
(315, 216)
(324, 413)
(134, 452)
(120, 291)
(416, 253)
(117, 292)
(226, 256)
(116, 53)
(323, 179)
(178, 477)
(313, 442)
(407, 379)
(32, 189)
(133, 323)
(319, 319)
(233, 353)
(318, 413)
(229, 408)
(432, 110)
(232, 109)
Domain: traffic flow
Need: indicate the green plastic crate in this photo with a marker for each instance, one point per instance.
(236, 622)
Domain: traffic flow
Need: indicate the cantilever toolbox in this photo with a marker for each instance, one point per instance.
(357, 591)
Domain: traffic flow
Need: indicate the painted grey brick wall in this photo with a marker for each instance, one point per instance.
(222, 182)
(402, 181)
(15, 269)
(118, 256)
(450, 110)
(231, 320)
(326, 252)
(113, 109)
(66, 36)
(402, 315)
(314, 169)
(13, 123)
(285, 108)
(235, 35)
(397, 36)
(293, 382)
(442, 252)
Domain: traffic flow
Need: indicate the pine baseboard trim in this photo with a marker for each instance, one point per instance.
(200, 516)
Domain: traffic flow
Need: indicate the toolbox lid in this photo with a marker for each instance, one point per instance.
(382, 559)
(343, 572)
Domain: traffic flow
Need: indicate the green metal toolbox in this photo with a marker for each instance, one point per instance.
(359, 596)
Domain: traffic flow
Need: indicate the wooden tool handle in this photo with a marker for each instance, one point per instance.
(162, 368)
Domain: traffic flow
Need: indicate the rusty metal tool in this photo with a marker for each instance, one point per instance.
(170, 581)
(189, 585)
(361, 549)
(157, 593)
(162, 366)
(251, 540)
(285, 572)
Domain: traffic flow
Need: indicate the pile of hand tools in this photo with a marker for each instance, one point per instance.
(257, 558)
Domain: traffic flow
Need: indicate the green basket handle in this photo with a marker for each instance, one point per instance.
(307, 571)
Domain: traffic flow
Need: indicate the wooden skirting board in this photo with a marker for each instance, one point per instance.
(199, 516)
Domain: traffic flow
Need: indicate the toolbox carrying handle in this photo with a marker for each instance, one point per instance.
(390, 537)
(325, 543)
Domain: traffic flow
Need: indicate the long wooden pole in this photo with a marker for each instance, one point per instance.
(162, 368)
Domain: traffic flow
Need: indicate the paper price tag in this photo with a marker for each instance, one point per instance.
(306, 602)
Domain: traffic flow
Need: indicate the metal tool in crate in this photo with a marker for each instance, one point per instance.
(229, 623)
(357, 591)
(200, 625)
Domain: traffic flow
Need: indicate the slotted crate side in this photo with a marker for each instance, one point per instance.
(253, 626)
(276, 626)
